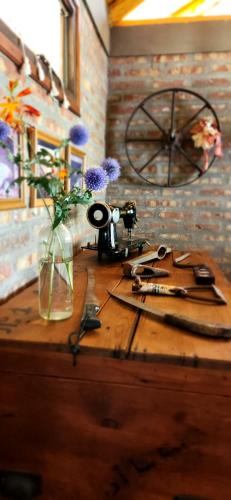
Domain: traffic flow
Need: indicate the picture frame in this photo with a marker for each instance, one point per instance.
(77, 160)
(39, 139)
(10, 171)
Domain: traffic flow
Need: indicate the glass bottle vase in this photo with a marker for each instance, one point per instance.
(55, 273)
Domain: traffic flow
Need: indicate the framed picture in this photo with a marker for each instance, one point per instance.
(77, 160)
(37, 141)
(11, 195)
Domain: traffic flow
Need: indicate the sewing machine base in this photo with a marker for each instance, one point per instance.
(122, 249)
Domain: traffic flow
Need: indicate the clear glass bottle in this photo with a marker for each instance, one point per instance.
(55, 273)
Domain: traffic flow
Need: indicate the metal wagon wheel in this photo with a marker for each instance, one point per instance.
(158, 142)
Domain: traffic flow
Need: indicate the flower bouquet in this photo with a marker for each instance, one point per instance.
(55, 247)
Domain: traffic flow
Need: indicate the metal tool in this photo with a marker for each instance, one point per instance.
(214, 330)
(202, 273)
(188, 292)
(89, 320)
(158, 254)
(177, 261)
(145, 271)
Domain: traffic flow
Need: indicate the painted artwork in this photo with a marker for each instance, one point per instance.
(76, 159)
(11, 195)
(38, 141)
(76, 179)
(42, 168)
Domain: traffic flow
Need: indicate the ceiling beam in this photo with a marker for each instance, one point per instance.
(120, 8)
(191, 6)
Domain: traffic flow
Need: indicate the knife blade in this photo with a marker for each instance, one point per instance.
(214, 330)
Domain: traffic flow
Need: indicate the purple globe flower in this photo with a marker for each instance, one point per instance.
(4, 131)
(112, 167)
(79, 135)
(96, 179)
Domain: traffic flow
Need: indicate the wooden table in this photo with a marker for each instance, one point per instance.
(145, 413)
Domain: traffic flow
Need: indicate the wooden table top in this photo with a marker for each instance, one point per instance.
(125, 333)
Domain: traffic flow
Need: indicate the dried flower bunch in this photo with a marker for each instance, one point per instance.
(13, 113)
(205, 135)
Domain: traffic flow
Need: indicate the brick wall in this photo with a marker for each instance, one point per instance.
(197, 215)
(19, 228)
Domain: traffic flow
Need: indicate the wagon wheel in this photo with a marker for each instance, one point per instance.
(158, 142)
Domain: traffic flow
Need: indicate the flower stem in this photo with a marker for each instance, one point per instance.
(51, 286)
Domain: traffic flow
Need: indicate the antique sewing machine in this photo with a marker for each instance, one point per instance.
(105, 217)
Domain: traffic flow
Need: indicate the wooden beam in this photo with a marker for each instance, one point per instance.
(190, 7)
(120, 8)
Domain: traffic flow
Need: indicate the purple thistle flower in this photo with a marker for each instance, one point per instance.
(79, 135)
(4, 131)
(96, 179)
(112, 167)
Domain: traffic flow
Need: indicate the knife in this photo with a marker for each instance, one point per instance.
(214, 330)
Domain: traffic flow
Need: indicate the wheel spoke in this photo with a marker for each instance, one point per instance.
(193, 117)
(153, 120)
(182, 151)
(170, 165)
(151, 159)
(173, 111)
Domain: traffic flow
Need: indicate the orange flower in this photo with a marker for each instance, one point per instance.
(13, 109)
(12, 85)
(62, 174)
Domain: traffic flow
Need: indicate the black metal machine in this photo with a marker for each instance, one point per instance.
(104, 217)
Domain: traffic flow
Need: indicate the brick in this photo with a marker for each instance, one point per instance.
(212, 82)
(125, 85)
(142, 72)
(115, 72)
(163, 84)
(185, 70)
(221, 68)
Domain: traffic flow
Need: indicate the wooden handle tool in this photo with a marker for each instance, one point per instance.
(214, 330)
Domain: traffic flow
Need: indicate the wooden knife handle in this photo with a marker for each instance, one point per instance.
(209, 329)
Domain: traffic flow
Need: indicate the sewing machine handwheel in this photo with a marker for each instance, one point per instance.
(158, 142)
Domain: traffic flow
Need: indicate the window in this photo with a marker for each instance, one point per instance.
(176, 10)
(58, 21)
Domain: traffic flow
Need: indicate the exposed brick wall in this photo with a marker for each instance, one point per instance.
(197, 215)
(19, 228)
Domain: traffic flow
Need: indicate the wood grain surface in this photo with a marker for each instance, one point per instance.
(156, 340)
(98, 439)
(125, 332)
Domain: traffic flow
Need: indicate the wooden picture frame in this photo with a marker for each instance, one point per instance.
(76, 159)
(39, 139)
(10, 171)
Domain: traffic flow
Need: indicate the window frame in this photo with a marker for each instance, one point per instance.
(10, 45)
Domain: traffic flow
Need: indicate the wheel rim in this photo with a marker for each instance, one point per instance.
(181, 162)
